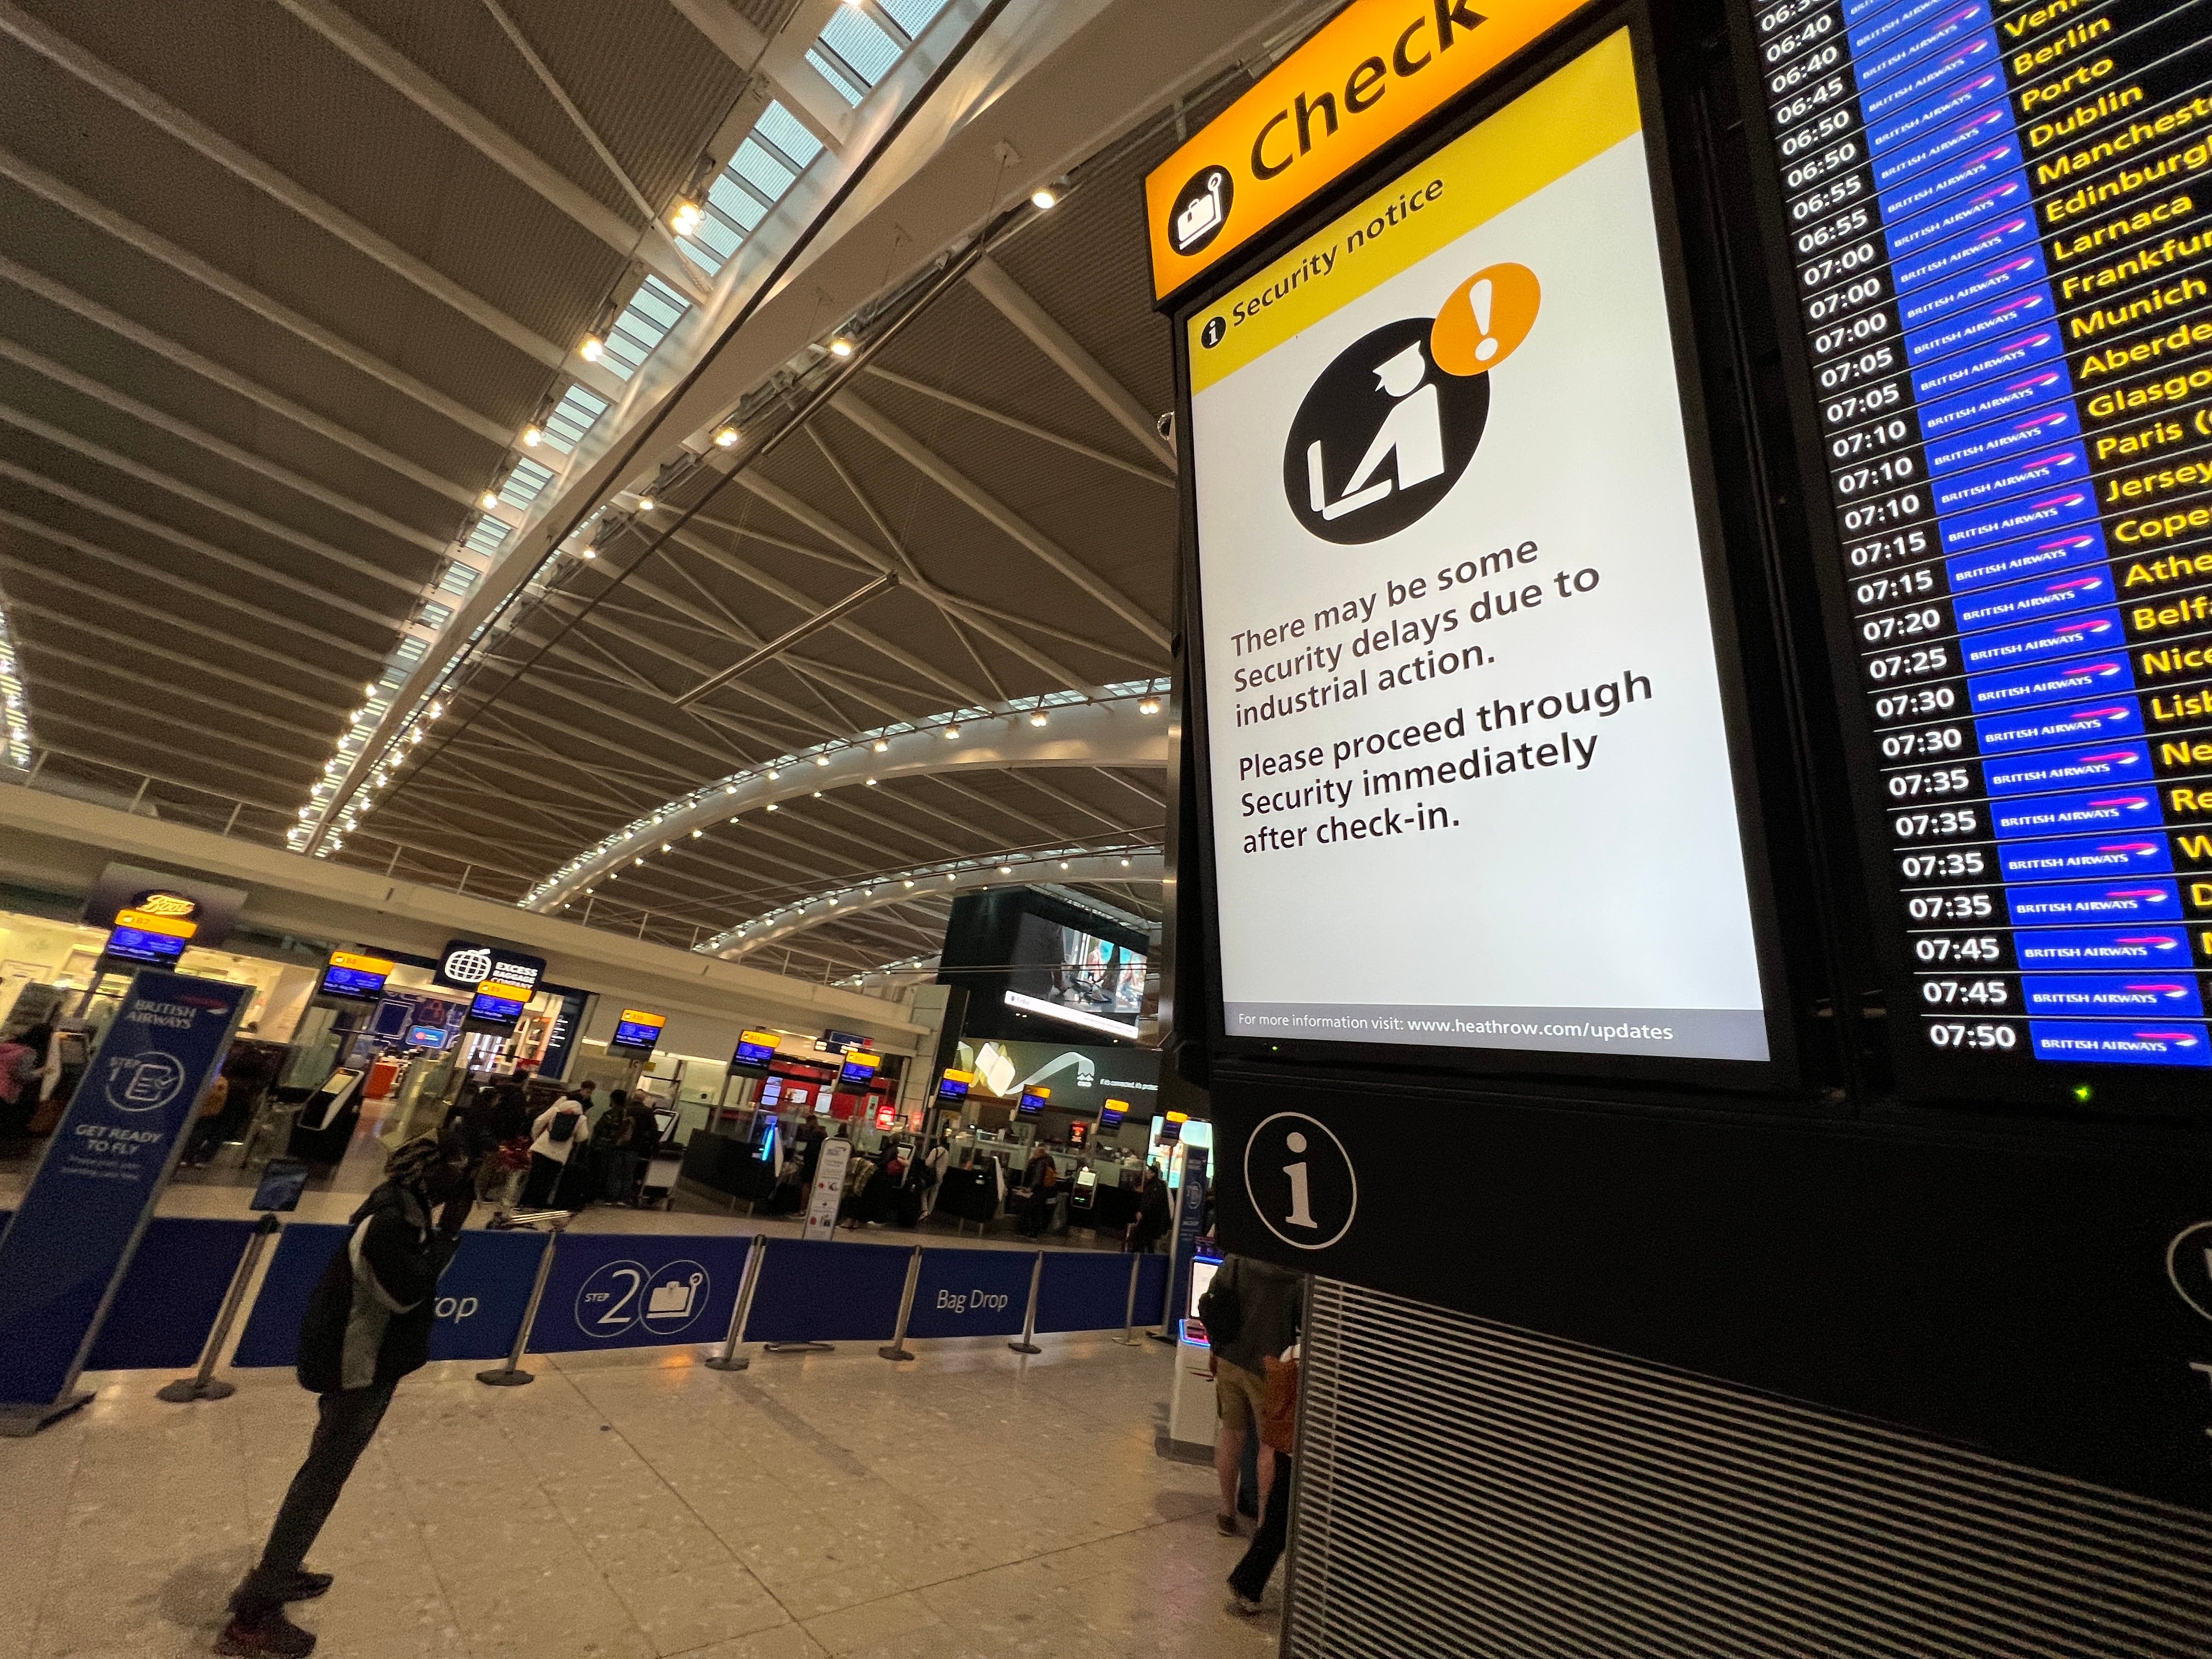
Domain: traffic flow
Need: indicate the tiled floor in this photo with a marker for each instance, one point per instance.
(971, 1504)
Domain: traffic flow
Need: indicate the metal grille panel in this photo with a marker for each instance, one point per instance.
(1467, 1488)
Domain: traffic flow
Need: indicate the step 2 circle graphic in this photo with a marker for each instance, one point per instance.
(624, 1295)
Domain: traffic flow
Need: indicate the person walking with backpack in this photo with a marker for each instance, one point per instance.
(559, 1130)
(1278, 1423)
(368, 1325)
(1250, 1312)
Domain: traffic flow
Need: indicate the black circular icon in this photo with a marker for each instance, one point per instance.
(1300, 1181)
(1210, 336)
(1382, 437)
(1201, 208)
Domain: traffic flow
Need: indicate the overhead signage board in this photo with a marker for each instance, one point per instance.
(211, 909)
(754, 1049)
(636, 1032)
(495, 1003)
(860, 1068)
(1372, 72)
(1472, 778)
(355, 977)
(1999, 261)
(463, 965)
(954, 1085)
(148, 936)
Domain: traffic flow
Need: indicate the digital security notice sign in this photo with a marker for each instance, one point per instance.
(1470, 771)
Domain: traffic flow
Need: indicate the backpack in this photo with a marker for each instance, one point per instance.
(563, 1125)
(1221, 1310)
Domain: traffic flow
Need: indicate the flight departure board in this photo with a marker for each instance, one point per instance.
(1999, 217)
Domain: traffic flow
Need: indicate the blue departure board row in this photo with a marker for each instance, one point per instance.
(2000, 220)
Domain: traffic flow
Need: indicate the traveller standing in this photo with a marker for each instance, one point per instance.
(932, 1174)
(1279, 1423)
(1251, 1313)
(1153, 1214)
(22, 1077)
(560, 1129)
(1040, 1181)
(368, 1325)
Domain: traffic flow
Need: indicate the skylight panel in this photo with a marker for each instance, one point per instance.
(728, 196)
(654, 310)
(859, 40)
(758, 166)
(525, 484)
(487, 537)
(914, 15)
(783, 131)
(574, 415)
(842, 81)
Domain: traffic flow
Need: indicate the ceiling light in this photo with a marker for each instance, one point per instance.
(1150, 706)
(695, 834)
(772, 777)
(588, 553)
(646, 503)
(1006, 869)
(952, 734)
(871, 783)
(1063, 864)
(882, 747)
(592, 349)
(665, 847)
(1125, 864)
(840, 345)
(488, 501)
(726, 437)
(1038, 718)
(637, 861)
(1044, 197)
(771, 806)
(533, 435)
(818, 794)
(684, 217)
(909, 884)
(821, 760)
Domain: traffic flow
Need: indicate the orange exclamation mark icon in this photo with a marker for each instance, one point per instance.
(1486, 319)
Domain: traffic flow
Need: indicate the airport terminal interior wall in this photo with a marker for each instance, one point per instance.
(1465, 1487)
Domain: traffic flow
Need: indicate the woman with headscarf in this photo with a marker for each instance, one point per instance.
(368, 1325)
(22, 1074)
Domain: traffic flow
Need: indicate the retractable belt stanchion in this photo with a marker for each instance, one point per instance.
(730, 1359)
(897, 1349)
(203, 1386)
(511, 1375)
(1029, 1319)
(1128, 1337)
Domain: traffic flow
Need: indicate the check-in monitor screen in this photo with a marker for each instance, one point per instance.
(1470, 767)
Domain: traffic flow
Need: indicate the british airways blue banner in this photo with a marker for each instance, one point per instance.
(79, 1223)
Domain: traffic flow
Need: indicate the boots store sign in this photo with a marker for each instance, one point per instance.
(463, 965)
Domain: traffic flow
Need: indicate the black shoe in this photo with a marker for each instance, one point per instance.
(271, 1634)
(306, 1586)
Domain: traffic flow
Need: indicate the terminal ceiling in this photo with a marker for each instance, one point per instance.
(283, 282)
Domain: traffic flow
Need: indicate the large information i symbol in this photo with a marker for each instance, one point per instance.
(1300, 1216)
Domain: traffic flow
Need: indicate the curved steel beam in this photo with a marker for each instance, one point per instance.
(1071, 864)
(1103, 727)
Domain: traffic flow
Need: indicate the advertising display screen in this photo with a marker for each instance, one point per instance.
(754, 1048)
(141, 936)
(355, 978)
(426, 1037)
(636, 1032)
(2001, 269)
(1472, 783)
(1076, 977)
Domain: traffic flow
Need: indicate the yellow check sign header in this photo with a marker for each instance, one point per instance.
(1371, 72)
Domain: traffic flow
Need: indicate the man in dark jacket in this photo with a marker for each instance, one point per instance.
(368, 1325)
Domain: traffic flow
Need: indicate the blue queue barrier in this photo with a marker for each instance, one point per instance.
(170, 1295)
(633, 1289)
(481, 1299)
(971, 1292)
(830, 1292)
(1088, 1290)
